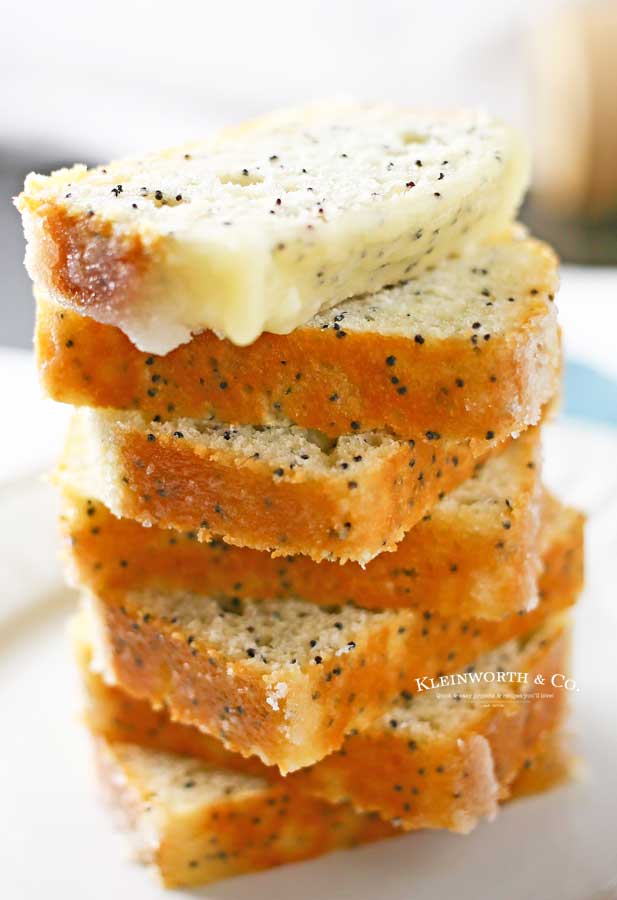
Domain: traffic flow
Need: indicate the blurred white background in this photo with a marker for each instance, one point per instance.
(114, 77)
(89, 81)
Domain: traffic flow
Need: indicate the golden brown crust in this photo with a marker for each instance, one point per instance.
(82, 260)
(446, 563)
(564, 556)
(265, 835)
(255, 503)
(120, 717)
(482, 572)
(155, 660)
(384, 382)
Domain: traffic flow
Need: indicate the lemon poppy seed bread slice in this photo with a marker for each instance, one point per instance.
(477, 553)
(262, 226)
(284, 490)
(117, 717)
(286, 680)
(197, 823)
(283, 680)
(466, 348)
(460, 755)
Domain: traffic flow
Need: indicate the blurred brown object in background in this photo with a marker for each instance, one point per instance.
(574, 79)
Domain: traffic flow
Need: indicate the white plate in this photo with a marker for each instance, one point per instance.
(58, 842)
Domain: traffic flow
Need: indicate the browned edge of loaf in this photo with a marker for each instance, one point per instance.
(283, 824)
(428, 569)
(83, 260)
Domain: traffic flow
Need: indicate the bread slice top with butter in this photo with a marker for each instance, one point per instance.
(260, 227)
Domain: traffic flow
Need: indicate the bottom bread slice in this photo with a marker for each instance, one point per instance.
(287, 680)
(441, 759)
(199, 824)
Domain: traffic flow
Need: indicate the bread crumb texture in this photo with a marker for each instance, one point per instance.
(286, 680)
(284, 490)
(469, 348)
(478, 553)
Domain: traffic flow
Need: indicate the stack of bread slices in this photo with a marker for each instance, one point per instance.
(302, 496)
